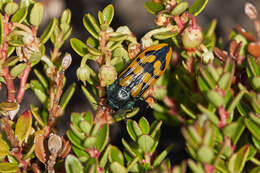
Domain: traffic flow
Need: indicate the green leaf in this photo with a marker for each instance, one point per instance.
(215, 98)
(8, 167)
(23, 126)
(73, 165)
(235, 101)
(116, 168)
(81, 154)
(104, 158)
(162, 156)
(108, 14)
(17, 70)
(253, 128)
(224, 80)
(75, 140)
(78, 46)
(48, 31)
(66, 16)
(197, 7)
(36, 14)
(11, 61)
(255, 170)
(36, 115)
(4, 149)
(130, 129)
(196, 168)
(146, 143)
(90, 141)
(11, 8)
(1, 29)
(20, 15)
(115, 155)
(38, 90)
(88, 117)
(77, 131)
(84, 126)
(26, 3)
(67, 96)
(128, 148)
(155, 128)
(137, 129)
(234, 130)
(237, 161)
(91, 25)
(102, 137)
(180, 8)
(90, 98)
(153, 7)
(76, 118)
(256, 83)
(41, 78)
(210, 115)
(205, 154)
(144, 125)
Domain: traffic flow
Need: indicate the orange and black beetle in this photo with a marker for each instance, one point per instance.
(135, 81)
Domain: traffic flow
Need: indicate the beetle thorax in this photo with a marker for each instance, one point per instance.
(123, 94)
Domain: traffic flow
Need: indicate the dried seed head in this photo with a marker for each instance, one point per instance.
(162, 19)
(83, 74)
(107, 75)
(54, 144)
(66, 61)
(250, 11)
(191, 37)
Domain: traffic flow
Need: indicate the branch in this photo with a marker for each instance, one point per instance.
(23, 79)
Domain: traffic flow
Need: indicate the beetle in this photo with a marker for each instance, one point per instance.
(135, 81)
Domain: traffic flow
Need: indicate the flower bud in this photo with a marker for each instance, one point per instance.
(162, 19)
(191, 37)
(83, 74)
(207, 57)
(107, 75)
(28, 38)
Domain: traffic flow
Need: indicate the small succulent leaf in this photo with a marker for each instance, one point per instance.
(253, 67)
(8, 167)
(90, 98)
(210, 114)
(235, 101)
(41, 78)
(116, 168)
(77, 131)
(75, 140)
(179, 8)
(213, 72)
(194, 134)
(36, 14)
(256, 143)
(237, 161)
(104, 158)
(205, 154)
(100, 18)
(144, 125)
(38, 90)
(153, 7)
(84, 126)
(197, 7)
(256, 83)
(72, 165)
(136, 128)
(78, 46)
(146, 143)
(108, 14)
(66, 16)
(36, 115)
(67, 96)
(162, 156)
(195, 167)
(91, 25)
(10, 8)
(155, 128)
(115, 155)
(207, 77)
(81, 154)
(11, 61)
(255, 170)
(224, 80)
(253, 128)
(93, 51)
(4, 149)
(17, 70)
(102, 138)
(48, 31)
(96, 128)
(92, 42)
(90, 141)
(234, 130)
(88, 117)
(76, 118)
(23, 126)
(128, 148)
(20, 15)
(133, 164)
(215, 98)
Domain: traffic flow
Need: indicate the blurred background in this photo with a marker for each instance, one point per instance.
(132, 13)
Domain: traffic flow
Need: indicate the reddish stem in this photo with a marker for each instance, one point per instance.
(4, 53)
(23, 79)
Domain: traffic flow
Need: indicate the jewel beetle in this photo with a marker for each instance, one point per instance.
(135, 81)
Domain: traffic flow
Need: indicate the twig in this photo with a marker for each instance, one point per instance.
(23, 79)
